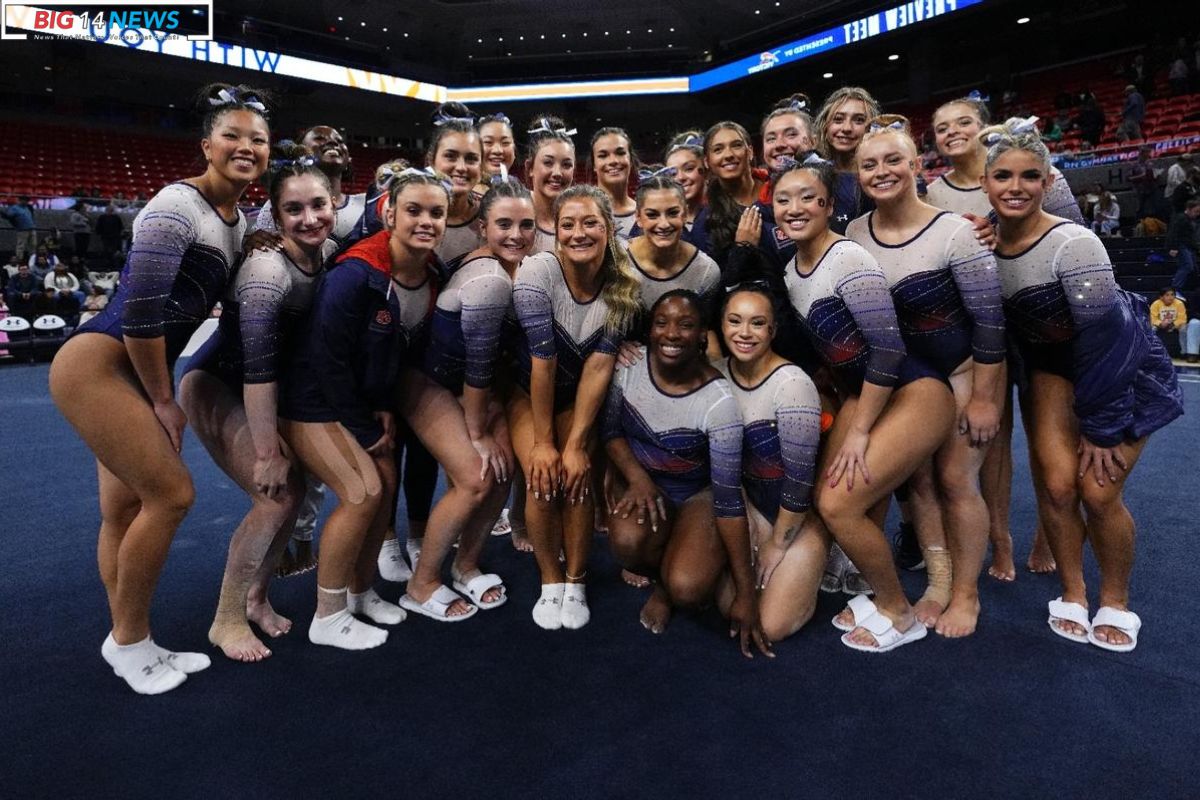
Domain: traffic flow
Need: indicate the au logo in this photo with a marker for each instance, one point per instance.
(383, 317)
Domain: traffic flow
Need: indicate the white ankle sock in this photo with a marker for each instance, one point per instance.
(370, 605)
(575, 613)
(413, 546)
(341, 629)
(392, 566)
(141, 666)
(184, 662)
(547, 611)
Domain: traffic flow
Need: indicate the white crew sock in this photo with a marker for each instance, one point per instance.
(184, 662)
(341, 629)
(392, 566)
(370, 605)
(413, 546)
(547, 611)
(141, 666)
(575, 613)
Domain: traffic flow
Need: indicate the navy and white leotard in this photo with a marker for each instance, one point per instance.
(348, 215)
(179, 265)
(260, 315)
(1069, 318)
(700, 275)
(458, 240)
(685, 442)
(946, 291)
(543, 241)
(781, 418)
(846, 310)
(465, 335)
(945, 195)
(557, 325)
(625, 224)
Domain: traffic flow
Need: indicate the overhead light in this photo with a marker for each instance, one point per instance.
(756, 11)
(543, 36)
(509, 54)
(894, 57)
(339, 19)
(48, 69)
(522, 38)
(502, 38)
(1022, 20)
(649, 30)
(670, 45)
(585, 34)
(363, 24)
(672, 30)
(170, 105)
(479, 40)
(628, 32)
(406, 36)
(597, 119)
(606, 33)
(827, 75)
(564, 36)
(385, 30)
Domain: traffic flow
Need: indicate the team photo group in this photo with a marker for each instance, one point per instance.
(723, 362)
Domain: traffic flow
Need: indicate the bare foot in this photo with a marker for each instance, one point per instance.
(1002, 567)
(1066, 626)
(959, 619)
(635, 580)
(928, 610)
(268, 620)
(237, 641)
(492, 595)
(520, 539)
(866, 638)
(1111, 635)
(1041, 560)
(657, 611)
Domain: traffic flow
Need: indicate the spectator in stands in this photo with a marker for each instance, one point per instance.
(40, 266)
(1053, 131)
(1090, 122)
(94, 304)
(23, 292)
(1178, 76)
(1181, 244)
(81, 227)
(1106, 220)
(1187, 190)
(1177, 174)
(50, 242)
(120, 200)
(63, 291)
(39, 255)
(19, 214)
(1168, 313)
(77, 268)
(1132, 115)
(10, 268)
(1091, 199)
(1143, 179)
(109, 227)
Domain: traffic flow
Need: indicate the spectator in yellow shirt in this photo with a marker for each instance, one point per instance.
(1168, 313)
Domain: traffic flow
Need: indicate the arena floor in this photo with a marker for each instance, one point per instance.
(497, 708)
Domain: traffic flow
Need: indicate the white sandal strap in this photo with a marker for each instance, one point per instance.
(862, 608)
(1125, 621)
(1070, 612)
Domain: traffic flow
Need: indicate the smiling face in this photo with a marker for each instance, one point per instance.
(305, 212)
(661, 214)
(846, 126)
(458, 157)
(238, 147)
(417, 217)
(1015, 184)
(785, 135)
(956, 130)
(551, 169)
(581, 233)
(677, 334)
(613, 160)
(327, 145)
(510, 230)
(748, 326)
(887, 167)
(689, 173)
(802, 205)
(728, 155)
(499, 149)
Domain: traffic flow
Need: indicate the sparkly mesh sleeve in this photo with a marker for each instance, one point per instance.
(262, 283)
(161, 236)
(798, 417)
(485, 300)
(974, 271)
(861, 285)
(534, 308)
(723, 426)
